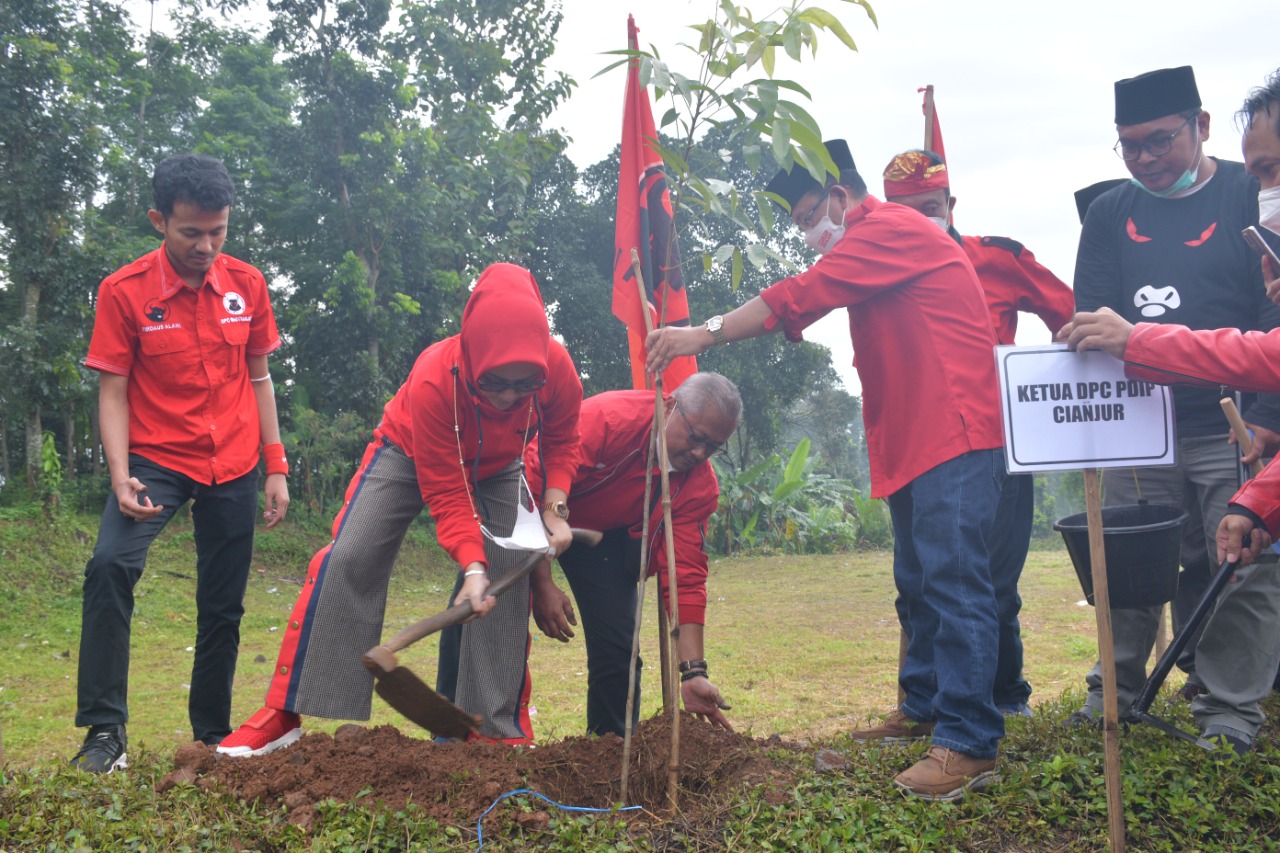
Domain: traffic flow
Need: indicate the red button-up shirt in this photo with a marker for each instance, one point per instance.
(919, 324)
(185, 351)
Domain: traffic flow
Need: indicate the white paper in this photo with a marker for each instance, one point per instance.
(1067, 410)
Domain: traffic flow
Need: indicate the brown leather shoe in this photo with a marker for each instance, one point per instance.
(944, 774)
(896, 726)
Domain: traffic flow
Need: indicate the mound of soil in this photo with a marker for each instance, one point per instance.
(455, 782)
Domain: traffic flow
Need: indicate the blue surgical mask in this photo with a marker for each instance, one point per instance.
(1184, 183)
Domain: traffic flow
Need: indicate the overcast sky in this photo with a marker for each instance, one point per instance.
(1023, 89)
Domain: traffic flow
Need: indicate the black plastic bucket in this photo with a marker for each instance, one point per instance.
(1142, 543)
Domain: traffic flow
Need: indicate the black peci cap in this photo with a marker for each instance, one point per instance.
(794, 183)
(1156, 94)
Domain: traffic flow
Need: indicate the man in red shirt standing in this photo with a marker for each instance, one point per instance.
(1012, 281)
(608, 495)
(186, 406)
(919, 324)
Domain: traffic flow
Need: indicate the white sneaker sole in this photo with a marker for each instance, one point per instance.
(287, 739)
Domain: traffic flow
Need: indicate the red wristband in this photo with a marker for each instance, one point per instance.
(277, 463)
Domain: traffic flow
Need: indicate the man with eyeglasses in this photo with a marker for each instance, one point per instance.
(1166, 248)
(608, 495)
(919, 324)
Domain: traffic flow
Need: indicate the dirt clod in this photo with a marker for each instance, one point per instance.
(455, 782)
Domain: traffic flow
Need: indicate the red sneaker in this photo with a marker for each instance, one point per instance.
(266, 731)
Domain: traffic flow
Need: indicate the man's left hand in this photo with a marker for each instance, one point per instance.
(1265, 443)
(703, 700)
(552, 610)
(277, 494)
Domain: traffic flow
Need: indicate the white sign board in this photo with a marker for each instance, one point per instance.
(1066, 410)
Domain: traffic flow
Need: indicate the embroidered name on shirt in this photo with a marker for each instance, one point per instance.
(160, 327)
(247, 319)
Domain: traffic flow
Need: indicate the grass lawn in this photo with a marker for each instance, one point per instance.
(801, 646)
(805, 647)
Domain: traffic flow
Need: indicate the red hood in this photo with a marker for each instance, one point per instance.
(505, 322)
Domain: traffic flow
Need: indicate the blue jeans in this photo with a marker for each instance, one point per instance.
(942, 523)
(1010, 538)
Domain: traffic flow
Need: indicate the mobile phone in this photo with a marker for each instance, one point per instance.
(1255, 242)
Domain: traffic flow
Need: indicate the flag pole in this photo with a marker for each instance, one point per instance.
(929, 116)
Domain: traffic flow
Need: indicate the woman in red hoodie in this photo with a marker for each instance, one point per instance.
(451, 440)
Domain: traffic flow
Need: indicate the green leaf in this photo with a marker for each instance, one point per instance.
(791, 40)
(795, 466)
(768, 60)
(737, 268)
(757, 255)
(781, 139)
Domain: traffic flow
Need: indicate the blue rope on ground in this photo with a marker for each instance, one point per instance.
(494, 805)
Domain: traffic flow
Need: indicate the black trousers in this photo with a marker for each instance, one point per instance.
(603, 580)
(223, 515)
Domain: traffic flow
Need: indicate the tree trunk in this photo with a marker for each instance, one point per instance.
(95, 438)
(69, 424)
(4, 449)
(34, 437)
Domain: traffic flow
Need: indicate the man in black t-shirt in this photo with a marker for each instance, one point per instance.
(1166, 248)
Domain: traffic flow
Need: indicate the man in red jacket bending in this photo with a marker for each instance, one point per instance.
(608, 495)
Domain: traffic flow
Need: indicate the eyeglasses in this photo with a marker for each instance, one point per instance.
(1129, 150)
(711, 446)
(497, 386)
(807, 219)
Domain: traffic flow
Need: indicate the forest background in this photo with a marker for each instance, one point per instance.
(383, 155)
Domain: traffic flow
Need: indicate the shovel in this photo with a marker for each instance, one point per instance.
(408, 694)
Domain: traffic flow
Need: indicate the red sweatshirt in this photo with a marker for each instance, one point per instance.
(504, 323)
(1014, 281)
(608, 492)
(919, 324)
(1243, 361)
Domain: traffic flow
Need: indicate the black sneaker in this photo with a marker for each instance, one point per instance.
(103, 750)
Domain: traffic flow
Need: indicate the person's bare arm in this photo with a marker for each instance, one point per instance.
(701, 697)
(113, 422)
(264, 392)
(670, 342)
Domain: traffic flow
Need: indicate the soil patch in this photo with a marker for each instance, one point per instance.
(455, 782)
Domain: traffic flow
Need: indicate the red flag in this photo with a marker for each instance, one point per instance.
(645, 223)
(932, 130)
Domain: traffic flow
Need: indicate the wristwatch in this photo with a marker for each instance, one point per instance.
(560, 508)
(713, 325)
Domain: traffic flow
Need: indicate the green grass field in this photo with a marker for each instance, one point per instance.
(800, 646)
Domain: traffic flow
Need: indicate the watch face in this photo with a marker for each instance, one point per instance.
(714, 323)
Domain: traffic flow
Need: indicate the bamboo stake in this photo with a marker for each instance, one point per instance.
(1106, 649)
(671, 633)
(1243, 440)
(640, 594)
(670, 702)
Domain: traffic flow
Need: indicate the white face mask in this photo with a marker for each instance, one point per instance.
(1269, 209)
(940, 221)
(824, 234)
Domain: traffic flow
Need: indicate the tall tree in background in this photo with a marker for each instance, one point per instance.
(56, 68)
